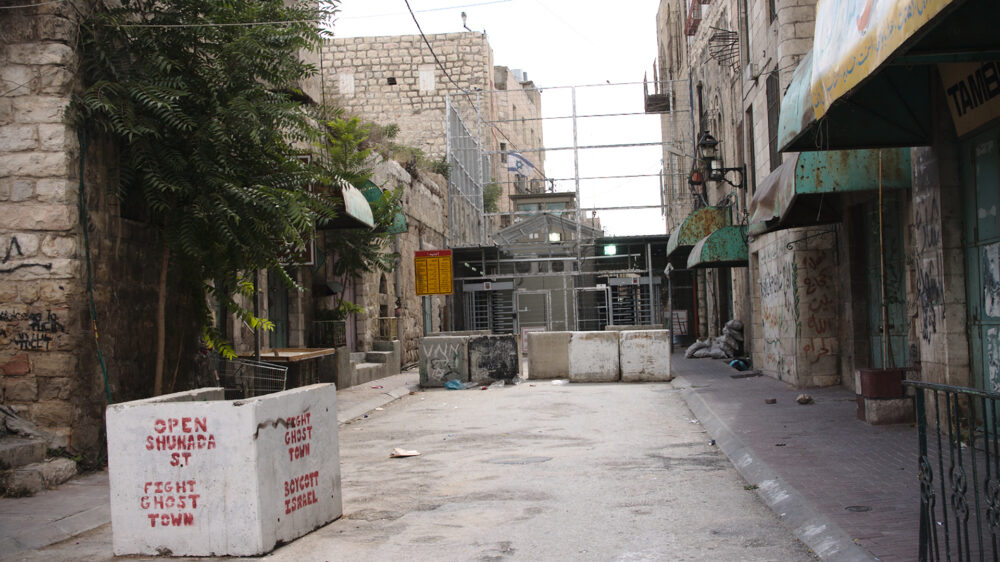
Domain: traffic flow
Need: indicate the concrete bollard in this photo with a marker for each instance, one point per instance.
(194, 475)
(548, 355)
(443, 358)
(593, 357)
(493, 358)
(645, 355)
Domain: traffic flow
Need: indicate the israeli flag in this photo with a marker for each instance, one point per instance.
(519, 164)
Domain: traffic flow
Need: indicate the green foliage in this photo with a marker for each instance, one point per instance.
(366, 251)
(343, 149)
(491, 197)
(441, 166)
(205, 119)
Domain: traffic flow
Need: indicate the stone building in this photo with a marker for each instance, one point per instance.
(78, 275)
(388, 300)
(855, 257)
(397, 80)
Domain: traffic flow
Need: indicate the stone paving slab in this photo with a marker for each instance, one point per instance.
(84, 503)
(811, 462)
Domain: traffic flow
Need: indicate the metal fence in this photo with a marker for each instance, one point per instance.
(245, 378)
(328, 333)
(387, 328)
(468, 173)
(959, 472)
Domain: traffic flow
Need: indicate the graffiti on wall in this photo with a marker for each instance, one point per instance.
(444, 361)
(992, 359)
(991, 280)
(30, 331)
(777, 298)
(929, 297)
(13, 251)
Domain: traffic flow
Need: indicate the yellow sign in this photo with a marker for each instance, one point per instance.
(432, 269)
(973, 93)
(855, 37)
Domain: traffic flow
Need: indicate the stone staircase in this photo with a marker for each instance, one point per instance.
(24, 466)
(372, 365)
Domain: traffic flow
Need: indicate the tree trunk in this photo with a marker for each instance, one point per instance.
(161, 323)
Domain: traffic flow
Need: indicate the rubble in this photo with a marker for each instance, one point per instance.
(726, 346)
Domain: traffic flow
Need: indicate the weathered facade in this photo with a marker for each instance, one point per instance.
(396, 80)
(78, 274)
(856, 258)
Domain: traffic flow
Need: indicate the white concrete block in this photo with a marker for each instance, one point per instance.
(593, 357)
(645, 355)
(221, 477)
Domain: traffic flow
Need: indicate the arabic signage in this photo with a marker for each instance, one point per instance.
(855, 37)
(973, 93)
(433, 272)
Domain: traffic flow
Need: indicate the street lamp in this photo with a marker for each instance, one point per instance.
(708, 153)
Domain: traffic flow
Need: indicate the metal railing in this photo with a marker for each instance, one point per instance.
(387, 328)
(328, 333)
(245, 378)
(959, 472)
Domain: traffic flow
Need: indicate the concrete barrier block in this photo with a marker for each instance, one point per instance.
(222, 478)
(645, 355)
(442, 359)
(593, 357)
(493, 358)
(548, 355)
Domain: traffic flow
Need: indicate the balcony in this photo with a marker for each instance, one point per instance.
(693, 18)
(662, 97)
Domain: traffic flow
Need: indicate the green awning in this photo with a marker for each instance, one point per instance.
(373, 194)
(356, 212)
(867, 82)
(805, 190)
(693, 228)
(726, 247)
(399, 225)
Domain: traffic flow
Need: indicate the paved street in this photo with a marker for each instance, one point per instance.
(543, 472)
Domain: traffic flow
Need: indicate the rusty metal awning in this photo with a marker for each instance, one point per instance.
(726, 247)
(355, 212)
(868, 80)
(805, 190)
(692, 229)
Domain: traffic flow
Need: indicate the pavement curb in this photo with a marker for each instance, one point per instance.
(68, 527)
(814, 529)
(358, 410)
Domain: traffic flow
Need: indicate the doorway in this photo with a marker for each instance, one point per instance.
(981, 175)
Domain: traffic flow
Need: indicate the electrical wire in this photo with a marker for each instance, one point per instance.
(85, 223)
(239, 24)
(31, 5)
(369, 16)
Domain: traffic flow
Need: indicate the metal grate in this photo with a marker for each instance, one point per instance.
(328, 333)
(245, 378)
(387, 328)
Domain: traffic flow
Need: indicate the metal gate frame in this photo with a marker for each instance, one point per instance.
(548, 306)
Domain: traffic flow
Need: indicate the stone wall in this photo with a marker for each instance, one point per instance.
(395, 79)
(797, 333)
(49, 367)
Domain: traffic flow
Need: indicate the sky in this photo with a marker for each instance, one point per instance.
(561, 43)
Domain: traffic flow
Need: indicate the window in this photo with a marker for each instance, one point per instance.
(391, 81)
(346, 84)
(426, 78)
(752, 161)
(772, 11)
(520, 183)
(527, 207)
(503, 152)
(773, 109)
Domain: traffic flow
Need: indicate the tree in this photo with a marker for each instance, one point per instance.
(201, 101)
(345, 149)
